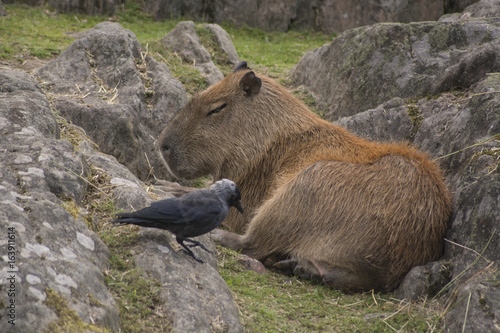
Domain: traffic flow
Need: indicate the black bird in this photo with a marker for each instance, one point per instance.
(191, 215)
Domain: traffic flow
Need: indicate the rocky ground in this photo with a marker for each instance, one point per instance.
(434, 84)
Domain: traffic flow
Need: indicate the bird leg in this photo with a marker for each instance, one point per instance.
(196, 243)
(190, 253)
(187, 249)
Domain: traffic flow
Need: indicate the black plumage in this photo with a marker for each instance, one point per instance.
(191, 215)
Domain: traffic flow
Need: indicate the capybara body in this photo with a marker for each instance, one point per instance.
(355, 213)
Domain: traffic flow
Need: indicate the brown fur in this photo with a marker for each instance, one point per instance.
(356, 213)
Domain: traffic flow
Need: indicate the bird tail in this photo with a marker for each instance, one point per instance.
(127, 219)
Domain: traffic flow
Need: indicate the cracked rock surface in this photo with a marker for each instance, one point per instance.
(54, 250)
(112, 96)
(104, 83)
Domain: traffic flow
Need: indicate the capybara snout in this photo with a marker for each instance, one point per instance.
(354, 213)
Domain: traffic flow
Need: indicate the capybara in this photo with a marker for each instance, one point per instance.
(355, 213)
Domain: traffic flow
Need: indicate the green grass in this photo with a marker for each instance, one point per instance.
(274, 53)
(27, 31)
(273, 302)
(137, 296)
(268, 303)
(35, 32)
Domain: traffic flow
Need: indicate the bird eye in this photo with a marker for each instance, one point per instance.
(219, 109)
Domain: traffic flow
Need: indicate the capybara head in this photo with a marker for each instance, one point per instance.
(221, 127)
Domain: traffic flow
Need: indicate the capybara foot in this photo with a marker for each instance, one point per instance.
(176, 189)
(229, 239)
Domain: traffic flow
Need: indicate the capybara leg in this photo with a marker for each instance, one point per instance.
(176, 189)
(285, 265)
(334, 277)
(231, 240)
(347, 279)
(307, 270)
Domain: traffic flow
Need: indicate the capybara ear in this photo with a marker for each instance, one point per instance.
(240, 67)
(250, 84)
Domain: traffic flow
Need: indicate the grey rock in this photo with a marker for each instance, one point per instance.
(169, 94)
(274, 15)
(203, 302)
(224, 42)
(12, 80)
(128, 191)
(41, 183)
(21, 94)
(484, 8)
(177, 9)
(104, 7)
(337, 16)
(367, 66)
(388, 122)
(476, 304)
(424, 281)
(104, 83)
(476, 217)
(252, 264)
(457, 6)
(184, 40)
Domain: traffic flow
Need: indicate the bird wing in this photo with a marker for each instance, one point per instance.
(200, 206)
(164, 210)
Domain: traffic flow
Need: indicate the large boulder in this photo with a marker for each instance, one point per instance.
(121, 97)
(457, 6)
(184, 40)
(483, 8)
(475, 304)
(367, 66)
(274, 15)
(224, 42)
(55, 263)
(195, 296)
(102, 7)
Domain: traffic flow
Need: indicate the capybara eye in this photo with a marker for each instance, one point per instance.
(219, 109)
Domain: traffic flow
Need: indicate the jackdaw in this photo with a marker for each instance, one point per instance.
(191, 215)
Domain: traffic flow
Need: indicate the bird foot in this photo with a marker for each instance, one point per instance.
(196, 243)
(191, 254)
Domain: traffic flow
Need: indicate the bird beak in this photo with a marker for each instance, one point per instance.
(238, 206)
